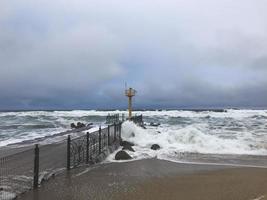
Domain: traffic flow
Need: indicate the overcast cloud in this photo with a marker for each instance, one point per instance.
(177, 54)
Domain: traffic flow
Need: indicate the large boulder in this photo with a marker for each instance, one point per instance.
(128, 147)
(122, 155)
(126, 143)
(155, 147)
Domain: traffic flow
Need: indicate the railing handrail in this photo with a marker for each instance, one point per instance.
(39, 156)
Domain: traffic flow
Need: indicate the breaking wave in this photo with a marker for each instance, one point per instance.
(195, 138)
(223, 131)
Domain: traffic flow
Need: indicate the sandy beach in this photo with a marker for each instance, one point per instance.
(155, 179)
(228, 184)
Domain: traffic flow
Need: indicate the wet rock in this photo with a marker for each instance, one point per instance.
(126, 143)
(72, 125)
(80, 125)
(155, 147)
(128, 147)
(122, 155)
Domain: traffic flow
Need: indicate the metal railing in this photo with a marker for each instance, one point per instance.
(27, 170)
(116, 118)
(16, 174)
(137, 120)
(88, 148)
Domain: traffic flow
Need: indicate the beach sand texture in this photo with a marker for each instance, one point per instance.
(155, 179)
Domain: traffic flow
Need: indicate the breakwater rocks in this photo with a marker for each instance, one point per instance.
(155, 147)
(128, 146)
(79, 125)
(122, 155)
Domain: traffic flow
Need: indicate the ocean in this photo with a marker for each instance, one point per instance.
(219, 136)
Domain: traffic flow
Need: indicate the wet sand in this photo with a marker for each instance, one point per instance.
(155, 179)
(228, 184)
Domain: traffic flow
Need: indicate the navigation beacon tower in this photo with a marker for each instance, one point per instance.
(130, 93)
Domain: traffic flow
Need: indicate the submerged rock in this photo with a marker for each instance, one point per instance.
(143, 127)
(72, 125)
(122, 155)
(80, 125)
(126, 143)
(155, 147)
(128, 147)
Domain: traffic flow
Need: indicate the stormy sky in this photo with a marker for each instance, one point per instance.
(65, 54)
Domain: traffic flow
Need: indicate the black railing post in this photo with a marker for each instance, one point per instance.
(68, 152)
(120, 130)
(99, 140)
(36, 167)
(108, 135)
(114, 139)
(87, 147)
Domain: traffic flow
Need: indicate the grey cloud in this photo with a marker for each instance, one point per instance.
(76, 59)
(202, 94)
(176, 53)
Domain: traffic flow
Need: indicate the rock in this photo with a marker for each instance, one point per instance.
(80, 125)
(90, 124)
(128, 147)
(72, 125)
(126, 143)
(155, 147)
(122, 155)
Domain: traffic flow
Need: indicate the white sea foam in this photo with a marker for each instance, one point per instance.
(171, 113)
(193, 138)
(260, 197)
(7, 195)
(205, 131)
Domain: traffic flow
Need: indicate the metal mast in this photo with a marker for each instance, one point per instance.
(130, 93)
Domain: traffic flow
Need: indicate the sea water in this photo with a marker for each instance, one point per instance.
(224, 136)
